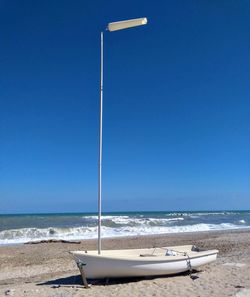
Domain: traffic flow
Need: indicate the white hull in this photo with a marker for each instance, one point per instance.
(141, 262)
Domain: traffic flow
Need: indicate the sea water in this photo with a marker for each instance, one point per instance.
(23, 228)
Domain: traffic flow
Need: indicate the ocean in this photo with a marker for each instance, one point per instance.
(16, 229)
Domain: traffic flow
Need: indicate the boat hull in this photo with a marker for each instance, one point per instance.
(123, 264)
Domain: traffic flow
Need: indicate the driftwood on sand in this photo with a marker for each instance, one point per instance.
(53, 240)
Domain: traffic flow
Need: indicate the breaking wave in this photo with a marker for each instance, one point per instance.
(15, 236)
(24, 228)
(125, 220)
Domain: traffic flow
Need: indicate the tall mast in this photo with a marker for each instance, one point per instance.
(100, 153)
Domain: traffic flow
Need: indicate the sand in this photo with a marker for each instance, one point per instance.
(47, 269)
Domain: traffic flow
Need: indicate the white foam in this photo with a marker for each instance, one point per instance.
(110, 218)
(125, 220)
(77, 233)
(187, 214)
(155, 220)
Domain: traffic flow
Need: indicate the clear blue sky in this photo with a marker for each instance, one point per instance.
(176, 106)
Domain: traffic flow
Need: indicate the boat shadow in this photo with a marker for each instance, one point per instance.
(76, 280)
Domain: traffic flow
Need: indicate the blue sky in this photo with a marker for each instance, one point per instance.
(176, 106)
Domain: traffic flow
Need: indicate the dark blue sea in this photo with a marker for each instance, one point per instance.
(16, 229)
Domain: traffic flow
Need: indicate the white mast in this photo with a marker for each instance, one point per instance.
(111, 27)
(100, 153)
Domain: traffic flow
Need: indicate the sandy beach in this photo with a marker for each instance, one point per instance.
(46, 269)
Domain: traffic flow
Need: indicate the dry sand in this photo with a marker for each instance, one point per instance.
(47, 269)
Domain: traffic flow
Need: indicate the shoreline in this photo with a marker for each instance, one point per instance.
(36, 241)
(47, 269)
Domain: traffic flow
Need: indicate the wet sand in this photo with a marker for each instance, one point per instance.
(47, 269)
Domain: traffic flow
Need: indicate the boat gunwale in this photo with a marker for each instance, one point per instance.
(152, 259)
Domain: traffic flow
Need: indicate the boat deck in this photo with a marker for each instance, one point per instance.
(173, 253)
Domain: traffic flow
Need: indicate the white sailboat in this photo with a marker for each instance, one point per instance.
(135, 262)
(143, 262)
